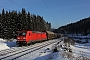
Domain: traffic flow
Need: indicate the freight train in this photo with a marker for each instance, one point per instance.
(26, 37)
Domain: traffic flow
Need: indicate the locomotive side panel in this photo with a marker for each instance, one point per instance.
(36, 36)
(44, 36)
(28, 36)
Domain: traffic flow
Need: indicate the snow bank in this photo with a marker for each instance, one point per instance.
(6, 45)
(2, 40)
(3, 46)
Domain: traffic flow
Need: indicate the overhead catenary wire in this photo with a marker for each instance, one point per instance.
(15, 3)
(51, 10)
(48, 8)
(9, 9)
(4, 8)
(60, 9)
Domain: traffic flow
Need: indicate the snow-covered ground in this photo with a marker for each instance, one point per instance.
(6, 45)
(82, 50)
(47, 53)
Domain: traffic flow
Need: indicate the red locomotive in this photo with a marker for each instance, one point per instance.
(25, 37)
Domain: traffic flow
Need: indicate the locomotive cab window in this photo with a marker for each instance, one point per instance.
(22, 34)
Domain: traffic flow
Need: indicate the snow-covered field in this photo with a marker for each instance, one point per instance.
(79, 51)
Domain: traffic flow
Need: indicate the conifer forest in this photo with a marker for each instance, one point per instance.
(12, 21)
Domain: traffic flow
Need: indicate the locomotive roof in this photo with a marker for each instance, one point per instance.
(31, 31)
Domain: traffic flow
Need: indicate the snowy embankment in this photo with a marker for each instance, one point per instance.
(45, 53)
(6, 45)
(3, 46)
(80, 51)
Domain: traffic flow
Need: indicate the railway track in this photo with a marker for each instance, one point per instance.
(11, 50)
(15, 53)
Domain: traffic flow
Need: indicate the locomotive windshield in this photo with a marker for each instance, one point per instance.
(22, 34)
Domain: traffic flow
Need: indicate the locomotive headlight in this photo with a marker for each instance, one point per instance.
(24, 38)
(18, 38)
